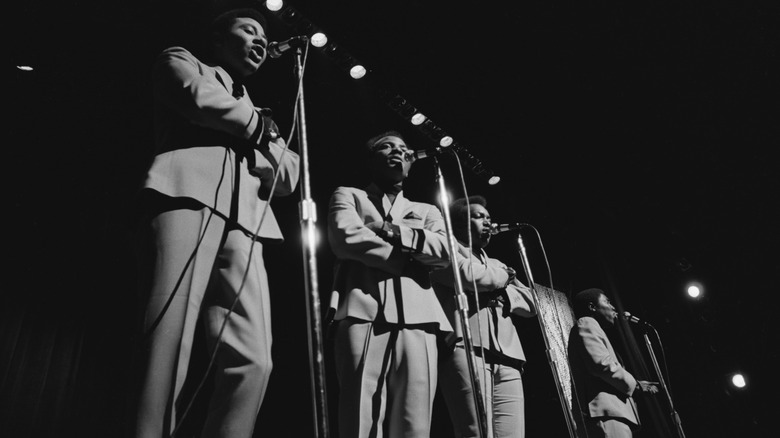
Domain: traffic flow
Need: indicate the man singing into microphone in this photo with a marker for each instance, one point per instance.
(206, 217)
(499, 354)
(602, 386)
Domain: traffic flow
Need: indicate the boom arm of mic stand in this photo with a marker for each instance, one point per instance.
(550, 357)
(308, 214)
(461, 302)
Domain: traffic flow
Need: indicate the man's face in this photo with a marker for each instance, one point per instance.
(243, 47)
(388, 160)
(480, 226)
(604, 309)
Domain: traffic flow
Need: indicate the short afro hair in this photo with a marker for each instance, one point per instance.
(583, 299)
(371, 142)
(222, 22)
(459, 213)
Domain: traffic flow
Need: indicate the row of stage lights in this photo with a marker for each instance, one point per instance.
(303, 26)
(408, 112)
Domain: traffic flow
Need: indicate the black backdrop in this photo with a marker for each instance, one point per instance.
(637, 138)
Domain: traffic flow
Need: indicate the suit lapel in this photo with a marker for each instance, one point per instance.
(397, 209)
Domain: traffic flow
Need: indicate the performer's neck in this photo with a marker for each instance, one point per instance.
(391, 190)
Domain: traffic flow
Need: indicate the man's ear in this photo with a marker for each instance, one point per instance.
(591, 307)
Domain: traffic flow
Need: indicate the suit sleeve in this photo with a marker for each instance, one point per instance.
(350, 239)
(521, 300)
(598, 359)
(180, 84)
(427, 246)
(277, 158)
(487, 277)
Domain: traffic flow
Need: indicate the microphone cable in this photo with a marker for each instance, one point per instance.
(481, 349)
(218, 341)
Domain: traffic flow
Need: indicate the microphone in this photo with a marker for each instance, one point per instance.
(500, 228)
(423, 153)
(633, 319)
(276, 49)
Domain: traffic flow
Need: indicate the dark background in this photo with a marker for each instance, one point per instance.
(638, 139)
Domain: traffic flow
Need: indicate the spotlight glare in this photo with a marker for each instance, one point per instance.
(24, 67)
(274, 5)
(738, 380)
(445, 141)
(445, 198)
(418, 119)
(357, 71)
(319, 39)
(494, 180)
(694, 291)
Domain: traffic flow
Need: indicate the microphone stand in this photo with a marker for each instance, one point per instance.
(550, 356)
(308, 215)
(675, 416)
(462, 306)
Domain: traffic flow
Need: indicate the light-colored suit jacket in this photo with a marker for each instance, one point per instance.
(210, 146)
(374, 280)
(602, 386)
(493, 329)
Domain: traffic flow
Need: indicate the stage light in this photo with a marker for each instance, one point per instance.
(274, 5)
(418, 119)
(357, 71)
(494, 179)
(24, 68)
(445, 141)
(738, 380)
(694, 290)
(319, 39)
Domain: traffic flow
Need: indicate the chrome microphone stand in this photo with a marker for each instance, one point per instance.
(675, 416)
(550, 356)
(462, 305)
(308, 215)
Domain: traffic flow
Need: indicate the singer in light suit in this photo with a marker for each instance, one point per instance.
(602, 387)
(500, 298)
(206, 215)
(386, 320)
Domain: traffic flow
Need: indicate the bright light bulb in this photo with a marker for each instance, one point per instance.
(319, 39)
(274, 5)
(738, 380)
(494, 180)
(445, 141)
(357, 71)
(418, 119)
(694, 291)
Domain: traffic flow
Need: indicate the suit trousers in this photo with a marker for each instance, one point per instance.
(194, 267)
(385, 372)
(607, 428)
(502, 390)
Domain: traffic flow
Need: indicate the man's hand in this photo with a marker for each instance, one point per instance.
(375, 226)
(645, 386)
(512, 274)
